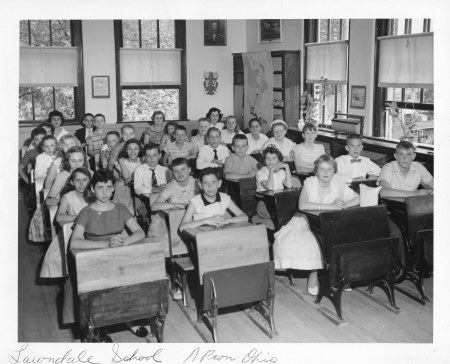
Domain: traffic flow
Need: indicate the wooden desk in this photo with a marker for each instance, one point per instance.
(242, 192)
(370, 182)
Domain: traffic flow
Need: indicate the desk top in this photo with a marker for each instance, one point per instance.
(272, 193)
(394, 199)
(194, 231)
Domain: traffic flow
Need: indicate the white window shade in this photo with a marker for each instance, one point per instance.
(327, 60)
(48, 66)
(146, 67)
(406, 61)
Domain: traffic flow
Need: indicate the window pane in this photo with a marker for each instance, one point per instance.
(61, 33)
(43, 102)
(25, 104)
(24, 41)
(398, 27)
(64, 101)
(417, 26)
(428, 96)
(40, 33)
(394, 94)
(130, 33)
(335, 32)
(149, 34)
(323, 30)
(139, 105)
(419, 122)
(412, 95)
(167, 33)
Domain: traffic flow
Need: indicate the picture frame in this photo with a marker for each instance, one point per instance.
(270, 30)
(215, 32)
(358, 97)
(100, 87)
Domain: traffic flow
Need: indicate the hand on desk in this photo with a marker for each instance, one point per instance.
(340, 204)
(424, 192)
(216, 161)
(217, 221)
(115, 241)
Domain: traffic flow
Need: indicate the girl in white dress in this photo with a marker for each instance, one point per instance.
(295, 246)
(279, 140)
(215, 115)
(307, 152)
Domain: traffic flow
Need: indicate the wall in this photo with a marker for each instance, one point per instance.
(202, 58)
(361, 66)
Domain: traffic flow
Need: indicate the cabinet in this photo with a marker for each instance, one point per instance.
(286, 86)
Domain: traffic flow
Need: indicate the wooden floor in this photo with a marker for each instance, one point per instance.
(297, 318)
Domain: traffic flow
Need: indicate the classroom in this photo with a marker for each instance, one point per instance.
(271, 180)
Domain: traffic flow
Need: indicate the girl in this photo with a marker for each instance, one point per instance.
(307, 152)
(279, 141)
(71, 204)
(45, 159)
(215, 115)
(232, 128)
(124, 169)
(321, 192)
(168, 136)
(56, 118)
(102, 224)
(154, 133)
(200, 139)
(255, 139)
(275, 175)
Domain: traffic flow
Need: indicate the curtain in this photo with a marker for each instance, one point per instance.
(327, 60)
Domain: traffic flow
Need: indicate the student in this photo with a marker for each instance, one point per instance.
(199, 139)
(154, 133)
(49, 127)
(239, 164)
(128, 133)
(96, 140)
(279, 141)
(125, 168)
(353, 164)
(215, 115)
(150, 177)
(307, 152)
(402, 177)
(29, 159)
(112, 139)
(213, 154)
(295, 246)
(181, 148)
(255, 139)
(209, 207)
(102, 225)
(87, 129)
(45, 159)
(231, 129)
(274, 175)
(56, 118)
(169, 134)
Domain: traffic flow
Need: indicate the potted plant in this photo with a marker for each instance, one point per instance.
(309, 109)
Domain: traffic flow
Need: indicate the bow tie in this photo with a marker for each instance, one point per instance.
(356, 160)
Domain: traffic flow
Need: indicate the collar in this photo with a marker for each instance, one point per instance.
(206, 202)
(146, 166)
(396, 167)
(218, 147)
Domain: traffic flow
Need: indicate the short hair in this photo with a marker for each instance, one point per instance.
(55, 113)
(38, 131)
(254, 119)
(170, 123)
(271, 150)
(65, 161)
(158, 112)
(113, 132)
(47, 125)
(354, 136)
(309, 126)
(127, 126)
(211, 130)
(48, 137)
(404, 145)
(85, 116)
(102, 176)
(181, 127)
(327, 159)
(213, 109)
(204, 119)
(103, 116)
(178, 162)
(208, 171)
(239, 137)
(149, 146)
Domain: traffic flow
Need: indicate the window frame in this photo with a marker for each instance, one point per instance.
(78, 91)
(180, 42)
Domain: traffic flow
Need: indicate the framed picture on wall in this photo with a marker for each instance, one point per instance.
(358, 97)
(270, 30)
(215, 33)
(100, 87)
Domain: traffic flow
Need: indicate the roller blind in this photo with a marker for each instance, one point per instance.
(48, 66)
(327, 60)
(146, 67)
(406, 61)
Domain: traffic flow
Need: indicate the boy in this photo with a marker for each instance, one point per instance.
(209, 207)
(239, 164)
(353, 165)
(255, 139)
(112, 138)
(30, 156)
(199, 139)
(402, 177)
(213, 154)
(127, 131)
(181, 148)
(95, 141)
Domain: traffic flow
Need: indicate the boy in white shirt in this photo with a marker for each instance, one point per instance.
(214, 154)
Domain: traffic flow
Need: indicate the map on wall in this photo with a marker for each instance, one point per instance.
(258, 88)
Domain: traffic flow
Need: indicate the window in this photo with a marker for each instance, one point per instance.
(415, 105)
(46, 44)
(332, 95)
(149, 57)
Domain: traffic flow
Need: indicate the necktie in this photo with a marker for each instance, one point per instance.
(356, 160)
(215, 154)
(154, 181)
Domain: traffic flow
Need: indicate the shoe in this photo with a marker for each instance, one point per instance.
(347, 287)
(141, 331)
(101, 336)
(177, 295)
(313, 291)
